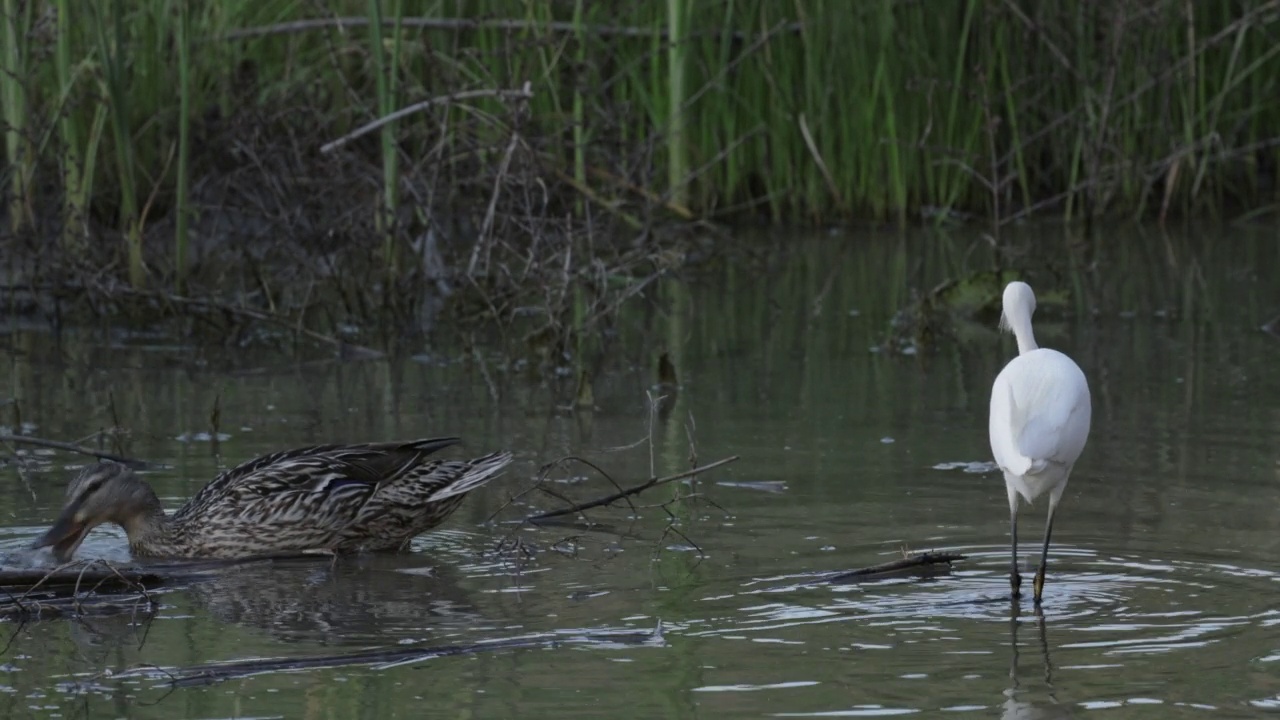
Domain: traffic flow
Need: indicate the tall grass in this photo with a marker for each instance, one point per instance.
(677, 52)
(72, 161)
(113, 54)
(15, 25)
(182, 203)
(386, 69)
(812, 110)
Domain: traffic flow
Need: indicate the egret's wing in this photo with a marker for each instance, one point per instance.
(1051, 418)
(1046, 413)
(1004, 440)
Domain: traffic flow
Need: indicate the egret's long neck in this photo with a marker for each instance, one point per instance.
(1020, 324)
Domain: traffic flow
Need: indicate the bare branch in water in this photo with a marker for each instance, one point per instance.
(207, 304)
(72, 447)
(629, 492)
(920, 563)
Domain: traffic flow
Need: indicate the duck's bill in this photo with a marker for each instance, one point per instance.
(64, 537)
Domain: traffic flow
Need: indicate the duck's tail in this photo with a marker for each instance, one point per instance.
(479, 471)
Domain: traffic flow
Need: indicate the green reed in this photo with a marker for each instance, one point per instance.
(812, 110)
(15, 25)
(579, 100)
(183, 200)
(677, 52)
(72, 160)
(386, 69)
(113, 53)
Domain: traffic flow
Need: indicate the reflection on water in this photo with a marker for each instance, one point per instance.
(1163, 595)
(369, 600)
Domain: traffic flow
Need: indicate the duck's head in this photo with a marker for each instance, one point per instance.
(101, 493)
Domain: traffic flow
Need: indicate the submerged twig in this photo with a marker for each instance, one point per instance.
(260, 315)
(628, 492)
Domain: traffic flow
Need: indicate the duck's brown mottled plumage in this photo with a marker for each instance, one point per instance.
(338, 498)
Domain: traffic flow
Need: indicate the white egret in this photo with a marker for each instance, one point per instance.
(1039, 423)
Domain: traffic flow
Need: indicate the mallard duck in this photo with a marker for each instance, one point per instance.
(325, 498)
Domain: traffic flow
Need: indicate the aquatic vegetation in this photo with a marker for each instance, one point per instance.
(395, 159)
(955, 307)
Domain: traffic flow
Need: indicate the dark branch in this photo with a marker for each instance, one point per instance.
(628, 492)
(71, 447)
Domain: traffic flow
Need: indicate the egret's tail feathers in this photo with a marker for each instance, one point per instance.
(1019, 465)
(1023, 465)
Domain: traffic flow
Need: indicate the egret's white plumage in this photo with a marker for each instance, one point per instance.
(1039, 423)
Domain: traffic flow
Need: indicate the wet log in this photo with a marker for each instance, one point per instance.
(64, 580)
(45, 608)
(380, 659)
(98, 587)
(80, 588)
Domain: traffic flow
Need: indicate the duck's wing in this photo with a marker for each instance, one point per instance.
(293, 482)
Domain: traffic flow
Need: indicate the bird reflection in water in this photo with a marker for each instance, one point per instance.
(1017, 704)
(369, 598)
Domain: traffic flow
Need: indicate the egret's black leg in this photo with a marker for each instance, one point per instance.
(1044, 554)
(1015, 580)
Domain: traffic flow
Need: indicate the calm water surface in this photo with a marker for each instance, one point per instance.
(1163, 596)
